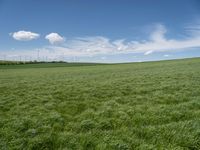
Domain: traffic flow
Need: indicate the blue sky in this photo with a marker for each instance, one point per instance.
(99, 30)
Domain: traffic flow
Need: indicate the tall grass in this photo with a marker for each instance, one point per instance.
(153, 105)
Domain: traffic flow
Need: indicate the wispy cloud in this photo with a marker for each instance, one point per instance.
(148, 52)
(24, 35)
(166, 55)
(159, 34)
(193, 28)
(99, 45)
(157, 42)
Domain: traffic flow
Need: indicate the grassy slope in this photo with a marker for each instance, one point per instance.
(124, 106)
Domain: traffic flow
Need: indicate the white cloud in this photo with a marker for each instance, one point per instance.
(120, 44)
(158, 34)
(98, 45)
(148, 52)
(54, 38)
(24, 35)
(157, 43)
(193, 29)
(103, 58)
(166, 55)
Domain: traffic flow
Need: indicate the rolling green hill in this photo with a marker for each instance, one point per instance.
(152, 105)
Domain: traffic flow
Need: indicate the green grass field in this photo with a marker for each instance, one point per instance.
(153, 105)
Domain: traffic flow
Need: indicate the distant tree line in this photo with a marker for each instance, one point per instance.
(27, 62)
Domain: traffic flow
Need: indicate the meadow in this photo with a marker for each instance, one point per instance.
(150, 105)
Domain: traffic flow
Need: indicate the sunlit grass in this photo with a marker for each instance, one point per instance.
(153, 105)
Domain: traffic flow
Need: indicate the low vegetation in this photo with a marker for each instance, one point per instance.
(35, 64)
(154, 105)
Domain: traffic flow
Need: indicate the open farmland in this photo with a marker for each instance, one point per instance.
(152, 105)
